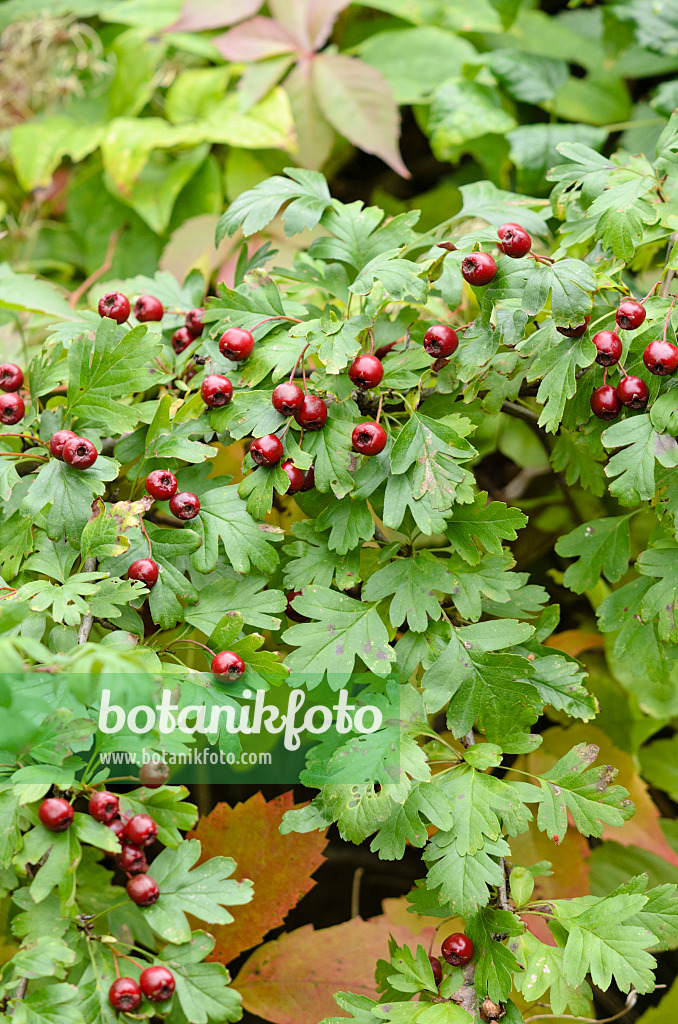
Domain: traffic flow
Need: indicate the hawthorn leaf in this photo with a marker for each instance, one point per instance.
(600, 547)
(543, 970)
(349, 522)
(633, 467)
(312, 561)
(304, 194)
(412, 582)
(482, 522)
(249, 595)
(224, 516)
(586, 793)
(461, 882)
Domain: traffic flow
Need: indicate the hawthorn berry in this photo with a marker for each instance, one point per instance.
(154, 774)
(115, 306)
(384, 350)
(437, 969)
(124, 995)
(609, 347)
(181, 339)
(132, 860)
(478, 268)
(103, 806)
(236, 344)
(313, 413)
(440, 341)
(227, 665)
(366, 372)
(161, 484)
(294, 475)
(57, 442)
(605, 402)
(574, 332)
(194, 322)
(184, 505)
(12, 408)
(140, 830)
(630, 314)
(117, 826)
(291, 612)
(266, 450)
(287, 398)
(369, 438)
(309, 479)
(55, 814)
(145, 570)
(457, 949)
(157, 984)
(11, 377)
(633, 392)
(147, 308)
(514, 241)
(79, 452)
(216, 390)
(143, 890)
(661, 357)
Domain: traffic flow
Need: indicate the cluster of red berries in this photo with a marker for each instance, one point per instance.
(479, 268)
(78, 452)
(457, 950)
(148, 308)
(162, 485)
(12, 406)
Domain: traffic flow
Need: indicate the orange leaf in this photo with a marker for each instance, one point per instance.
(279, 866)
(574, 641)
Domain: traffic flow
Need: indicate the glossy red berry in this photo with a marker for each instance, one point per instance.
(514, 241)
(103, 806)
(124, 995)
(661, 357)
(236, 344)
(309, 479)
(154, 774)
(157, 984)
(161, 484)
(140, 830)
(184, 505)
(115, 306)
(267, 450)
(194, 322)
(478, 268)
(117, 827)
(181, 339)
(313, 413)
(12, 409)
(287, 398)
(227, 665)
(143, 890)
(11, 377)
(147, 308)
(609, 347)
(437, 969)
(605, 403)
(633, 392)
(132, 860)
(574, 332)
(145, 570)
(55, 814)
(79, 452)
(630, 315)
(294, 475)
(57, 442)
(290, 611)
(457, 949)
(440, 341)
(369, 438)
(216, 391)
(366, 372)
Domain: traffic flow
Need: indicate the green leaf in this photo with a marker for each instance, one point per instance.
(349, 521)
(400, 278)
(659, 603)
(600, 547)
(496, 968)
(330, 449)
(461, 111)
(105, 533)
(26, 293)
(167, 807)
(432, 448)
(257, 488)
(543, 970)
(250, 413)
(412, 581)
(426, 803)
(633, 467)
(586, 793)
(482, 522)
(312, 561)
(224, 516)
(336, 341)
(415, 60)
(527, 77)
(462, 882)
(304, 194)
(249, 595)
(54, 1004)
(202, 988)
(556, 363)
(480, 805)
(638, 644)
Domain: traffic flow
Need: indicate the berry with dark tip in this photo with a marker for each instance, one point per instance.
(132, 860)
(124, 995)
(514, 241)
(11, 377)
(574, 332)
(161, 484)
(143, 890)
(437, 969)
(605, 403)
(57, 442)
(457, 949)
(140, 830)
(661, 357)
(157, 984)
(266, 450)
(478, 268)
(194, 322)
(181, 339)
(184, 505)
(147, 308)
(291, 612)
(216, 391)
(236, 344)
(313, 413)
(145, 570)
(630, 315)
(55, 814)
(369, 438)
(79, 452)
(294, 475)
(115, 306)
(633, 392)
(154, 774)
(287, 398)
(309, 479)
(12, 409)
(366, 372)
(227, 665)
(440, 341)
(103, 806)
(609, 347)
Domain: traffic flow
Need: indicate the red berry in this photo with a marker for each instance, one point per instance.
(216, 390)
(140, 830)
(194, 322)
(184, 505)
(11, 377)
(117, 827)
(79, 452)
(143, 890)
(514, 241)
(575, 332)
(437, 969)
(287, 398)
(161, 484)
(115, 306)
(457, 949)
(132, 860)
(154, 774)
(609, 347)
(291, 612)
(157, 984)
(124, 995)
(384, 350)
(313, 413)
(267, 450)
(57, 442)
(309, 479)
(236, 344)
(366, 372)
(605, 403)
(55, 814)
(103, 806)
(633, 392)
(227, 665)
(440, 341)
(369, 438)
(294, 475)
(661, 357)
(181, 339)
(148, 308)
(12, 409)
(145, 570)
(478, 268)
(630, 315)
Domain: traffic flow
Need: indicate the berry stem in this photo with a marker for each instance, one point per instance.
(23, 455)
(196, 643)
(668, 317)
(28, 437)
(381, 402)
(99, 272)
(605, 376)
(299, 360)
(541, 259)
(292, 319)
(148, 539)
(371, 334)
(652, 289)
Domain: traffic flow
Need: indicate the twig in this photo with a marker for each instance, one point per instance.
(503, 895)
(520, 412)
(468, 740)
(630, 1003)
(89, 565)
(99, 272)
(355, 891)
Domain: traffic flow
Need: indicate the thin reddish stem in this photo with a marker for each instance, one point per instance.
(28, 437)
(195, 642)
(605, 376)
(292, 319)
(148, 539)
(371, 334)
(99, 272)
(381, 401)
(652, 289)
(668, 316)
(299, 360)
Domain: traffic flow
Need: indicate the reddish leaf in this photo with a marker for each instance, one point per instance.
(279, 866)
(574, 641)
(256, 39)
(198, 15)
(315, 136)
(320, 18)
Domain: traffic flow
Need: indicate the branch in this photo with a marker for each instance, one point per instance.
(503, 895)
(99, 272)
(631, 1000)
(89, 565)
(521, 412)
